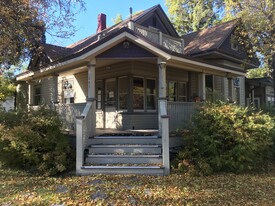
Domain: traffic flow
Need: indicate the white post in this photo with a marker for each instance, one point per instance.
(131, 25)
(79, 145)
(30, 93)
(202, 92)
(160, 38)
(91, 94)
(230, 89)
(165, 144)
(163, 118)
(162, 88)
(182, 45)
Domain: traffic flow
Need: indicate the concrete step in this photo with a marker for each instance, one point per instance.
(132, 149)
(125, 140)
(123, 159)
(143, 170)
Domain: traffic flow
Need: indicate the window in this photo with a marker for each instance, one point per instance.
(110, 87)
(123, 86)
(138, 93)
(151, 94)
(99, 89)
(37, 95)
(177, 91)
(172, 91)
(182, 92)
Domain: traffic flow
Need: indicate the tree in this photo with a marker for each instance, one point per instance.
(257, 73)
(7, 88)
(193, 15)
(23, 24)
(118, 19)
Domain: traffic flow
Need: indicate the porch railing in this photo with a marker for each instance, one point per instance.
(68, 114)
(83, 132)
(171, 43)
(180, 114)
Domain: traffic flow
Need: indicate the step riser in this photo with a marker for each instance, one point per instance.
(154, 172)
(125, 141)
(123, 160)
(132, 150)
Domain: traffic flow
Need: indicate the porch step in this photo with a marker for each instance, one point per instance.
(148, 170)
(121, 154)
(125, 140)
(132, 149)
(123, 159)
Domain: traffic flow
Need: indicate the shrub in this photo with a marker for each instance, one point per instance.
(34, 142)
(229, 138)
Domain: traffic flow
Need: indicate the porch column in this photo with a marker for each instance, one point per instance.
(202, 92)
(30, 93)
(252, 97)
(230, 89)
(91, 93)
(163, 117)
(162, 100)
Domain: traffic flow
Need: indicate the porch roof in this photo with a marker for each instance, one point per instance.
(85, 55)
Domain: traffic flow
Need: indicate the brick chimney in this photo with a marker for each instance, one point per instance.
(101, 22)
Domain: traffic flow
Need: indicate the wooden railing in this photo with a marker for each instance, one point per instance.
(84, 130)
(169, 42)
(68, 114)
(180, 114)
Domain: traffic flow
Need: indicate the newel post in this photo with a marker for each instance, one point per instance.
(79, 144)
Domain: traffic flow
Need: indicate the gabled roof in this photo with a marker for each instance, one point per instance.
(208, 39)
(58, 52)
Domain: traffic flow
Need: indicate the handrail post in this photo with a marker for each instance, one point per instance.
(79, 144)
(165, 144)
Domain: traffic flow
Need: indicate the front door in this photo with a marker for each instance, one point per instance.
(110, 104)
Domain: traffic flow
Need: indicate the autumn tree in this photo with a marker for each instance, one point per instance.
(7, 87)
(23, 24)
(118, 19)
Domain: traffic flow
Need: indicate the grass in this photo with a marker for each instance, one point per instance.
(20, 188)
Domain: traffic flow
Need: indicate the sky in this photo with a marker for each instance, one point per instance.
(86, 21)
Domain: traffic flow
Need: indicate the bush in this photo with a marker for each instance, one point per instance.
(228, 138)
(33, 141)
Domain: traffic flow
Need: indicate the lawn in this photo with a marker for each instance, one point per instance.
(19, 188)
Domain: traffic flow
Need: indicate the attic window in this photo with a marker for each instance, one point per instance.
(234, 42)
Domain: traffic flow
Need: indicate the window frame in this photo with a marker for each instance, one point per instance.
(143, 94)
(39, 95)
(154, 95)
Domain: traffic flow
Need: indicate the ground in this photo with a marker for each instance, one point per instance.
(20, 188)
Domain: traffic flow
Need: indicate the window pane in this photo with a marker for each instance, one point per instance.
(151, 94)
(99, 89)
(182, 92)
(111, 92)
(138, 93)
(123, 86)
(37, 95)
(172, 90)
(138, 101)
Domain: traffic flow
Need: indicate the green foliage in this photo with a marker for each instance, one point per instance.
(188, 16)
(33, 141)
(257, 73)
(229, 138)
(118, 19)
(7, 88)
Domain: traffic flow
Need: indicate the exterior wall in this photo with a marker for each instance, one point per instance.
(193, 84)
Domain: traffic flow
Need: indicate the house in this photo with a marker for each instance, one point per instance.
(259, 92)
(136, 75)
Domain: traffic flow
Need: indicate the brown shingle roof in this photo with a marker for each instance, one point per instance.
(208, 39)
